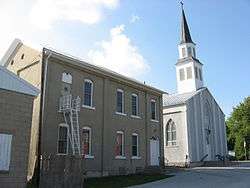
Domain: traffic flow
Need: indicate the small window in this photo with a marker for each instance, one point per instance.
(88, 93)
(171, 133)
(196, 72)
(189, 72)
(86, 141)
(153, 109)
(119, 101)
(119, 148)
(22, 57)
(62, 139)
(182, 74)
(200, 73)
(5, 151)
(183, 52)
(12, 62)
(67, 78)
(134, 104)
(135, 152)
(194, 53)
(189, 51)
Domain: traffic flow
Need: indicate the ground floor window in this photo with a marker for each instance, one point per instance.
(135, 152)
(86, 141)
(171, 133)
(119, 147)
(5, 151)
(62, 147)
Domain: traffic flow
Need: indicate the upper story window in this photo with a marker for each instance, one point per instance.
(196, 72)
(194, 52)
(189, 49)
(119, 145)
(62, 146)
(189, 72)
(153, 109)
(5, 151)
(134, 104)
(171, 133)
(135, 146)
(88, 93)
(183, 51)
(200, 73)
(119, 101)
(182, 74)
(67, 78)
(86, 141)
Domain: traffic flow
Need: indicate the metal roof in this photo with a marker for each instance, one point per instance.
(178, 99)
(10, 81)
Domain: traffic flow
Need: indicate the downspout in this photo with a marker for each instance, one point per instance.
(146, 129)
(41, 119)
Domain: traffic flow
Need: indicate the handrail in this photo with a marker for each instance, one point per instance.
(203, 158)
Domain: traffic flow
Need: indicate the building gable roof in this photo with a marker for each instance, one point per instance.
(10, 81)
(179, 99)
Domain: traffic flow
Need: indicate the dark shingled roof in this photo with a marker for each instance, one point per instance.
(185, 33)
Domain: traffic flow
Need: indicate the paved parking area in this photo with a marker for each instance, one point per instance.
(206, 177)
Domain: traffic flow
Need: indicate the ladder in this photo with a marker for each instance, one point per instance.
(70, 108)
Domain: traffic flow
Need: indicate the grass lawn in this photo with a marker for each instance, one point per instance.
(123, 181)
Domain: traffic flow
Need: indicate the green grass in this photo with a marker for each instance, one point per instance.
(123, 181)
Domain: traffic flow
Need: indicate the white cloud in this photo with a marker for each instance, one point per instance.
(119, 54)
(134, 18)
(46, 12)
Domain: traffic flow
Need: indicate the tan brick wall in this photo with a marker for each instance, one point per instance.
(15, 119)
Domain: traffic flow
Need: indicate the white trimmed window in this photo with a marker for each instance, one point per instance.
(171, 133)
(189, 72)
(182, 74)
(62, 146)
(88, 93)
(5, 151)
(119, 145)
(67, 78)
(135, 145)
(189, 51)
(86, 141)
(183, 51)
(153, 109)
(135, 104)
(120, 101)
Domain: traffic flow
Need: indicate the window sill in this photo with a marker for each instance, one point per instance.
(120, 157)
(88, 107)
(136, 117)
(121, 114)
(154, 120)
(89, 156)
(136, 157)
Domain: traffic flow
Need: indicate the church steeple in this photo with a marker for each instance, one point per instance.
(188, 68)
(185, 33)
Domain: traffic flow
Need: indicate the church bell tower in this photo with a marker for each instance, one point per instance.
(188, 67)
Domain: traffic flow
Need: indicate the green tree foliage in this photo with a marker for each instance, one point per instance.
(238, 129)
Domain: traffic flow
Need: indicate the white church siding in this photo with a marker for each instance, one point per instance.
(176, 155)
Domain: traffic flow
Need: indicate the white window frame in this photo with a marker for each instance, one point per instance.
(92, 91)
(182, 70)
(187, 72)
(138, 154)
(137, 106)
(6, 159)
(123, 107)
(171, 142)
(89, 156)
(123, 149)
(154, 120)
(67, 150)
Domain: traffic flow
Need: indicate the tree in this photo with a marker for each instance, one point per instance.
(238, 129)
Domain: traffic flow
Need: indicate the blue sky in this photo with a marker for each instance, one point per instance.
(93, 31)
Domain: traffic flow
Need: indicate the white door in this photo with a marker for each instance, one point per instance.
(154, 152)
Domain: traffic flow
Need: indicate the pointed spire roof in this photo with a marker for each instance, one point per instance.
(185, 33)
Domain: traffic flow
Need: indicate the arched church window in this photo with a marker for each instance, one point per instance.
(207, 123)
(170, 133)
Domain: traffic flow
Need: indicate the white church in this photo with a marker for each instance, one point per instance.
(194, 124)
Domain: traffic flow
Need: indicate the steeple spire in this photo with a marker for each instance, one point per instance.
(185, 34)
